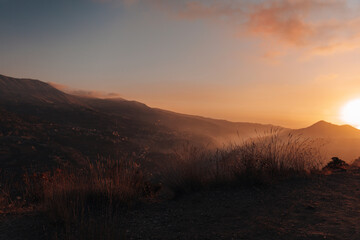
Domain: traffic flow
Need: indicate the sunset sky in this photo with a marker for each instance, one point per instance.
(285, 62)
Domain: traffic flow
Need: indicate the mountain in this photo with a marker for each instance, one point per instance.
(328, 130)
(19, 91)
(342, 141)
(30, 92)
(42, 126)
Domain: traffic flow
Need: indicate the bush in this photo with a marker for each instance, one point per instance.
(336, 164)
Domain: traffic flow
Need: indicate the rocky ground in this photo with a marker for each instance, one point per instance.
(320, 207)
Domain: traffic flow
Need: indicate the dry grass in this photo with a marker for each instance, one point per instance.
(273, 156)
(5, 198)
(112, 183)
(187, 171)
(267, 158)
(86, 203)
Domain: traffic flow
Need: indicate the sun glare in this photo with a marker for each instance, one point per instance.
(350, 113)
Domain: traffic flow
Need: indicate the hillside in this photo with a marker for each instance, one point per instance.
(43, 126)
(14, 90)
(341, 141)
(329, 130)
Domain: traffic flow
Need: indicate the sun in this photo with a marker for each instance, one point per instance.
(350, 113)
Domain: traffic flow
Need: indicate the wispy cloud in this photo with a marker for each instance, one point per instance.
(83, 93)
(323, 26)
(285, 20)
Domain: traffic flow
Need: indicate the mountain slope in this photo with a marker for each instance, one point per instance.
(33, 92)
(217, 130)
(338, 140)
(329, 130)
(64, 127)
(14, 90)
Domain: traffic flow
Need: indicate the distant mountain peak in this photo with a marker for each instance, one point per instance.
(326, 129)
(322, 123)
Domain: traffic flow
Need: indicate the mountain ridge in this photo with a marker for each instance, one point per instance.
(330, 130)
(27, 87)
(70, 125)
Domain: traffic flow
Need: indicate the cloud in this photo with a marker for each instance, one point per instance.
(290, 21)
(83, 93)
(283, 19)
(323, 26)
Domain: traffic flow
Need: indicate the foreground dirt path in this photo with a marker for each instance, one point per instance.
(325, 207)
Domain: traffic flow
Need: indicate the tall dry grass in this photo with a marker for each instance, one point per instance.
(261, 160)
(106, 182)
(86, 203)
(188, 170)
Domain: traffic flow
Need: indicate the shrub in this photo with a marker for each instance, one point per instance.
(336, 164)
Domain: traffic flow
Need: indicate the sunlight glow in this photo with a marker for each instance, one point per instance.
(350, 113)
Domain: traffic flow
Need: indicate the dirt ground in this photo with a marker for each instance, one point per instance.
(321, 207)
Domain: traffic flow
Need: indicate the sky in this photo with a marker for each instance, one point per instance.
(283, 62)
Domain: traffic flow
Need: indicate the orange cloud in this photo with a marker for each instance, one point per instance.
(287, 20)
(323, 26)
(274, 19)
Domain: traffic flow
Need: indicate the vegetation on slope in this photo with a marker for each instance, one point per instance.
(85, 203)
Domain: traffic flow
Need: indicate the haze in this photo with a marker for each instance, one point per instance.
(290, 62)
